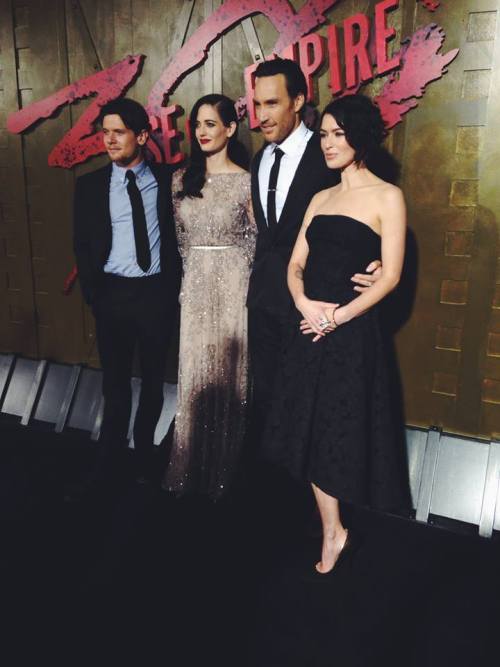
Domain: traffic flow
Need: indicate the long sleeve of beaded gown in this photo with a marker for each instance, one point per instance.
(216, 235)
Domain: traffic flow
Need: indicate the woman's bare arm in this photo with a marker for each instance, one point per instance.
(314, 312)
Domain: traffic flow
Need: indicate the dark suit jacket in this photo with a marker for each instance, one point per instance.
(268, 284)
(93, 232)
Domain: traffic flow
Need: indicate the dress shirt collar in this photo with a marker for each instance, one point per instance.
(120, 172)
(294, 143)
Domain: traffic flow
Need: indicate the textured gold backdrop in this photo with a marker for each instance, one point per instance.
(449, 348)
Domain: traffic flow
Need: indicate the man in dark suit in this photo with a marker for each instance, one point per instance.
(129, 269)
(286, 173)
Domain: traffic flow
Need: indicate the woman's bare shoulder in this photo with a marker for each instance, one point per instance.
(389, 190)
(316, 204)
(321, 197)
(391, 205)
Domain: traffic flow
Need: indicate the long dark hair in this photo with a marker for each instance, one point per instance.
(193, 179)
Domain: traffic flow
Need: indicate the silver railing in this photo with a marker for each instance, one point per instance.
(450, 476)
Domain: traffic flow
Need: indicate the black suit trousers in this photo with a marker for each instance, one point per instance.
(268, 329)
(130, 314)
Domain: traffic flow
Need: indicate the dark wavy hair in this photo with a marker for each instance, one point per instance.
(362, 123)
(294, 76)
(133, 114)
(193, 178)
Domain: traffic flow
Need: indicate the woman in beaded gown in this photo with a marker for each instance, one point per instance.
(216, 236)
(332, 422)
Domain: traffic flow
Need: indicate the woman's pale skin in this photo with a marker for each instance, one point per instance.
(213, 137)
(379, 205)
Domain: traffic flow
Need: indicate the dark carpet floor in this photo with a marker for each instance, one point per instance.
(142, 578)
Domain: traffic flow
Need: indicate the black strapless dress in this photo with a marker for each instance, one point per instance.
(333, 419)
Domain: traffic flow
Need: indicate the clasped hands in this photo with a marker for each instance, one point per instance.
(322, 317)
(318, 317)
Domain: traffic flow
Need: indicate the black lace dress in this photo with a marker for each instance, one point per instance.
(333, 420)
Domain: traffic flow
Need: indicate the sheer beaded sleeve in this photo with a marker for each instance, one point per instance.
(180, 228)
(248, 237)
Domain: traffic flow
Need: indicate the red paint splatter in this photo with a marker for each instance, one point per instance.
(81, 142)
(241, 107)
(431, 5)
(69, 281)
(421, 64)
(309, 17)
(291, 26)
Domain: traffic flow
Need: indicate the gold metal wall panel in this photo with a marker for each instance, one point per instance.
(446, 144)
(17, 308)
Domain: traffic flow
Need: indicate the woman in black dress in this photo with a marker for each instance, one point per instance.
(332, 423)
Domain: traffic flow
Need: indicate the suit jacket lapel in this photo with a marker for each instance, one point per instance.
(103, 199)
(161, 201)
(305, 174)
(258, 211)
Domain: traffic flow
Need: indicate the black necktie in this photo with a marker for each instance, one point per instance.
(142, 249)
(271, 191)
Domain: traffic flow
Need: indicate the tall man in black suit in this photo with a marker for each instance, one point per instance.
(286, 173)
(129, 269)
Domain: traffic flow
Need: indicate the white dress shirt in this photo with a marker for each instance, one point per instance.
(293, 148)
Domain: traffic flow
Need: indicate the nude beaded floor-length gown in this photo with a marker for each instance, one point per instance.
(216, 235)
